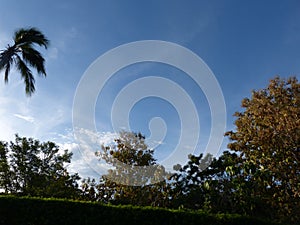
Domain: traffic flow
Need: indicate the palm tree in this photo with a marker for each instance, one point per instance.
(23, 54)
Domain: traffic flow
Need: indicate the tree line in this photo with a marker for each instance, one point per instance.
(258, 175)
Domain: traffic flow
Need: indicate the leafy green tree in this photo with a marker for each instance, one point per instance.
(130, 181)
(203, 183)
(36, 169)
(267, 138)
(216, 185)
(262, 177)
(5, 173)
(88, 189)
(188, 191)
(23, 54)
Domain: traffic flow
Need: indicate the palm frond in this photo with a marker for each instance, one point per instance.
(3, 60)
(30, 36)
(6, 57)
(34, 59)
(26, 76)
(7, 69)
(23, 55)
(6, 60)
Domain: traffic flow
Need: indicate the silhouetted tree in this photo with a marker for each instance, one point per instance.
(23, 54)
(36, 169)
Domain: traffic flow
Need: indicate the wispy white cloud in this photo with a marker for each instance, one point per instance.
(29, 119)
(52, 53)
(35, 117)
(59, 43)
(84, 161)
(65, 37)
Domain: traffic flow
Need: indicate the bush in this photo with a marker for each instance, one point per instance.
(36, 211)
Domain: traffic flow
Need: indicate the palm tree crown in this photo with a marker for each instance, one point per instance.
(23, 54)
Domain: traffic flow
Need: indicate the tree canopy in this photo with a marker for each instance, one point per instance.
(267, 137)
(260, 175)
(129, 181)
(28, 167)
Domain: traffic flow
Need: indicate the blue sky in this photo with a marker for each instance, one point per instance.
(244, 43)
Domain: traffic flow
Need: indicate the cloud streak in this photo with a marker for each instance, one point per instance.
(26, 118)
(84, 161)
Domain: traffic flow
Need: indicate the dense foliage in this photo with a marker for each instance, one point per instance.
(28, 167)
(27, 211)
(135, 178)
(261, 175)
(267, 137)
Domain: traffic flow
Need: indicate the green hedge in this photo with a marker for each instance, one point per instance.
(35, 211)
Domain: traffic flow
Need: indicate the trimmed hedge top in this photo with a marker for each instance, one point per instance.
(37, 211)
